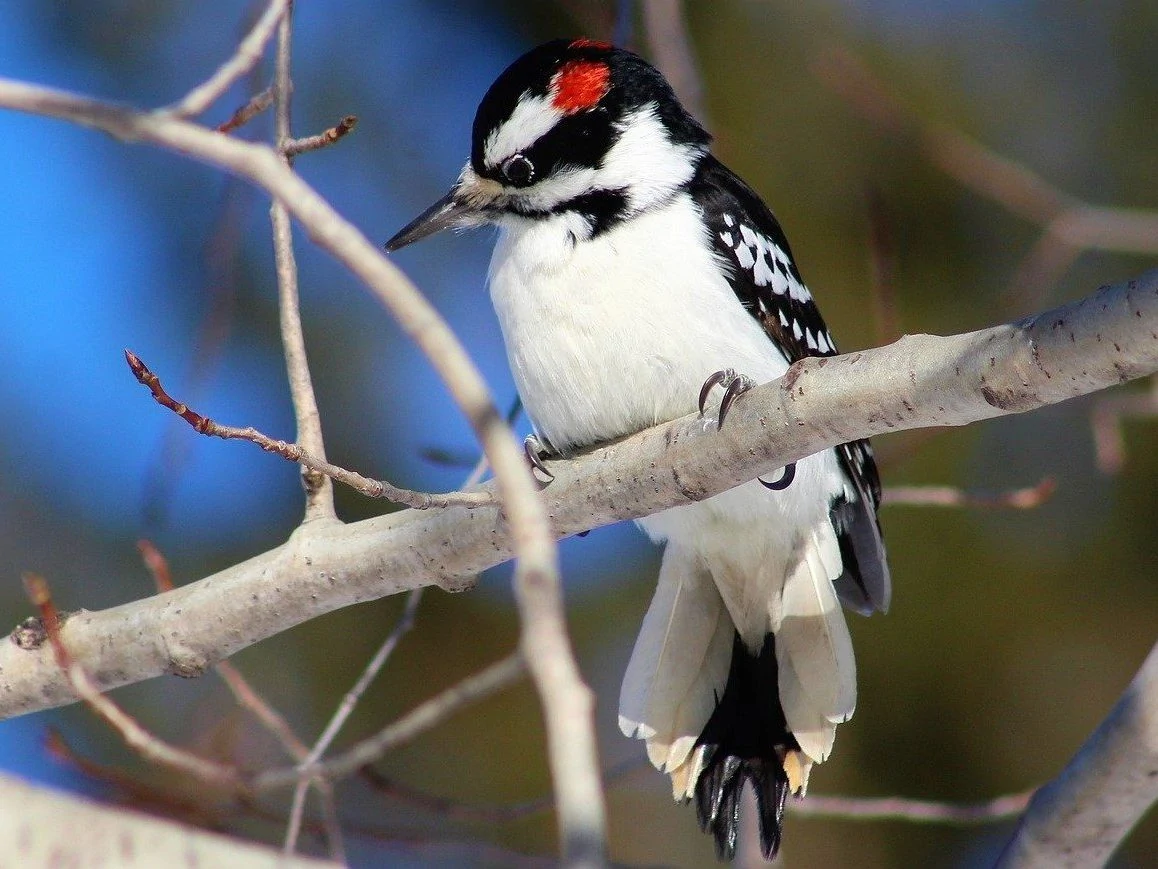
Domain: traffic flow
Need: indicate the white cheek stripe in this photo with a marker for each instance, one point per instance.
(532, 118)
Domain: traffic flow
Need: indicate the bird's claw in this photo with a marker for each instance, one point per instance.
(786, 478)
(535, 451)
(734, 385)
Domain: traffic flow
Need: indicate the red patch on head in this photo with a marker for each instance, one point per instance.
(579, 85)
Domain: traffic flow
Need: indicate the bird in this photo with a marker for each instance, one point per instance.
(634, 278)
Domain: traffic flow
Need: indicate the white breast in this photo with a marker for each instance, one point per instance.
(612, 335)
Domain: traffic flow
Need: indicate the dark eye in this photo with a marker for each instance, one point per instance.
(518, 170)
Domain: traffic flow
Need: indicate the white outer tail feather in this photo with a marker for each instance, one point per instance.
(680, 662)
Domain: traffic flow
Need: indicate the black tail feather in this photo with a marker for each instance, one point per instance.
(745, 740)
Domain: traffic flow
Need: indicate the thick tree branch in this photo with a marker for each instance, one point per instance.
(920, 381)
(41, 827)
(1081, 817)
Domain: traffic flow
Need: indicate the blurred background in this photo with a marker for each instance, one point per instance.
(1012, 632)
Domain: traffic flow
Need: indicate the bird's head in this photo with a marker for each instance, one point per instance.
(572, 127)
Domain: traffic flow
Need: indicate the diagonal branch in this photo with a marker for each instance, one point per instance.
(568, 704)
(246, 57)
(319, 487)
(919, 381)
(1081, 817)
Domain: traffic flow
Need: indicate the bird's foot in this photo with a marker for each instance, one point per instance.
(735, 385)
(536, 451)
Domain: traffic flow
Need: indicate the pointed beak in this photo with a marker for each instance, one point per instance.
(446, 212)
(465, 205)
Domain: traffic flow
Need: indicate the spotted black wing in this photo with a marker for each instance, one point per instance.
(753, 249)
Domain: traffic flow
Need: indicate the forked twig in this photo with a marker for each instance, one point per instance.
(135, 736)
(256, 105)
(345, 708)
(248, 53)
(422, 718)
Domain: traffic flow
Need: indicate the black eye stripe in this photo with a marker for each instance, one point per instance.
(577, 140)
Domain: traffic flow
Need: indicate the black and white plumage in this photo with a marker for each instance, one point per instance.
(630, 266)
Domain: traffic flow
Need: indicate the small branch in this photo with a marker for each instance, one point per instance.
(256, 105)
(294, 147)
(416, 722)
(915, 811)
(295, 453)
(134, 735)
(345, 708)
(248, 53)
(1081, 817)
(318, 485)
(157, 565)
(473, 812)
(250, 700)
(950, 496)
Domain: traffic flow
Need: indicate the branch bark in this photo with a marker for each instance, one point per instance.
(919, 381)
(1081, 817)
(40, 827)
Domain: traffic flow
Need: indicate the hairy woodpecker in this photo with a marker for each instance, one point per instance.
(633, 275)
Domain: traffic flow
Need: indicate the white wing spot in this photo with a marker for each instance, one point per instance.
(822, 343)
(747, 234)
(796, 330)
(744, 256)
(779, 283)
(726, 238)
(729, 221)
(761, 273)
(783, 319)
(810, 340)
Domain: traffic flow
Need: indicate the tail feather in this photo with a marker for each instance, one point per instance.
(813, 637)
(680, 662)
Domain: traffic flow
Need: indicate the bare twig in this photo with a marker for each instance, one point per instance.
(416, 722)
(1081, 816)
(256, 105)
(950, 496)
(346, 707)
(248, 53)
(464, 811)
(295, 453)
(157, 565)
(913, 811)
(135, 736)
(294, 147)
(318, 485)
(671, 49)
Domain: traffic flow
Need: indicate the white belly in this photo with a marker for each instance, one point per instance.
(602, 344)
